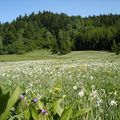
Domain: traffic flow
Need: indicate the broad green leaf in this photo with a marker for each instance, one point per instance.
(43, 117)
(57, 108)
(3, 102)
(66, 115)
(40, 105)
(13, 99)
(27, 114)
(34, 114)
(82, 112)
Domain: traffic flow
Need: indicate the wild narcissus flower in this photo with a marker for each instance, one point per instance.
(75, 87)
(81, 93)
(113, 102)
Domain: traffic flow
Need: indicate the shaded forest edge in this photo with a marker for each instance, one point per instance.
(60, 33)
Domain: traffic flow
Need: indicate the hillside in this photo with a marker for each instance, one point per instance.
(60, 33)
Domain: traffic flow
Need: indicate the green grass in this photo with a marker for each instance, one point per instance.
(90, 79)
(47, 55)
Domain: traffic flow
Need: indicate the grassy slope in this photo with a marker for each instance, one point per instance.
(46, 55)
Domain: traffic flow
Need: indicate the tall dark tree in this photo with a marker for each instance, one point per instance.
(64, 42)
(1, 43)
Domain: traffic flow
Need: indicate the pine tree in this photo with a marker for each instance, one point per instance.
(1, 45)
(116, 47)
(64, 42)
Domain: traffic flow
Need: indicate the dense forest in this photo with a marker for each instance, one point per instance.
(60, 33)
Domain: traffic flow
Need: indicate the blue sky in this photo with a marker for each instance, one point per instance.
(10, 9)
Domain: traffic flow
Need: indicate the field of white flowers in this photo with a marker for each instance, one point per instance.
(87, 83)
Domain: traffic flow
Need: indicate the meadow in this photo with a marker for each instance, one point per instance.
(82, 85)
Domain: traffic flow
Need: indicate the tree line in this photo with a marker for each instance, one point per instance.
(60, 33)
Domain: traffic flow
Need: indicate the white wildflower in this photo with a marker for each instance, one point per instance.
(99, 102)
(91, 77)
(81, 93)
(113, 102)
(115, 93)
(94, 94)
(75, 87)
